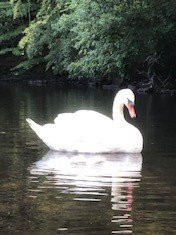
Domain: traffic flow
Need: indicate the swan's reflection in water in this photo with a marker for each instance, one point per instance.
(105, 180)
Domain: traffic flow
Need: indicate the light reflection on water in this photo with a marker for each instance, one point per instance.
(38, 200)
(90, 179)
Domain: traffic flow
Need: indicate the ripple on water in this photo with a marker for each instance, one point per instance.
(94, 191)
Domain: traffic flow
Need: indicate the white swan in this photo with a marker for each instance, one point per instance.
(93, 132)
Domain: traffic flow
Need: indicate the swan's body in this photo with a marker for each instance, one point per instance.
(93, 132)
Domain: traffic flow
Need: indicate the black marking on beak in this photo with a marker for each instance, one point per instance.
(130, 102)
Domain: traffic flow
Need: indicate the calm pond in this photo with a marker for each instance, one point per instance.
(45, 192)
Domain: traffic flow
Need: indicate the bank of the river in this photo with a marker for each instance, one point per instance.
(40, 77)
(49, 79)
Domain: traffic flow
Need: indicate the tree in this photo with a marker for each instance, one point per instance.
(92, 38)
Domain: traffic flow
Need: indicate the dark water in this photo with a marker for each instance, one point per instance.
(44, 192)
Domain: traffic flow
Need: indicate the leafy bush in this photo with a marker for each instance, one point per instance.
(92, 38)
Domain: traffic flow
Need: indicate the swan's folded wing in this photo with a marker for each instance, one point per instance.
(63, 118)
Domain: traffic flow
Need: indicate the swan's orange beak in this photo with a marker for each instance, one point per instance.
(131, 110)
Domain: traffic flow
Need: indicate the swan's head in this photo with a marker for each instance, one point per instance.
(126, 97)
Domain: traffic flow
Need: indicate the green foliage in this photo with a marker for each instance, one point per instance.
(14, 50)
(91, 38)
(15, 15)
(28, 64)
(12, 34)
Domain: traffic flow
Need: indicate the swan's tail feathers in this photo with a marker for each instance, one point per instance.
(34, 126)
(31, 122)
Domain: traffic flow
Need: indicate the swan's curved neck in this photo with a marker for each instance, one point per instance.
(118, 111)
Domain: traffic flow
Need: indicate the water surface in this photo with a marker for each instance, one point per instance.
(46, 192)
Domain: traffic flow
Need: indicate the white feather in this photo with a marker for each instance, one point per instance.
(93, 132)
